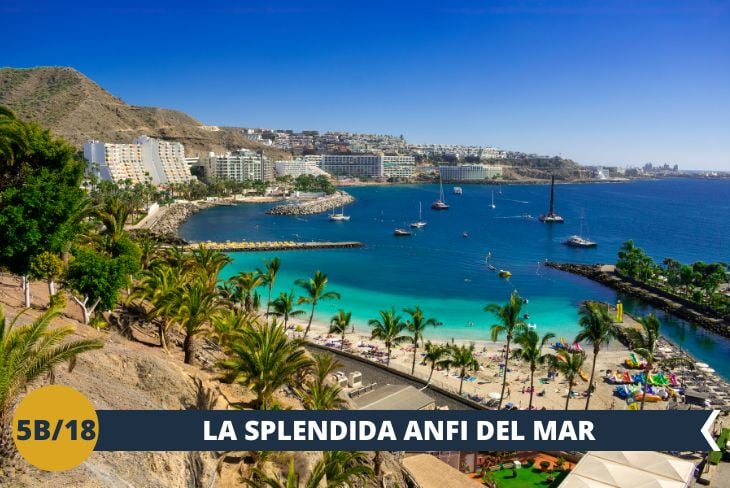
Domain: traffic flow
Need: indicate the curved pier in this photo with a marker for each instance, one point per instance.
(257, 246)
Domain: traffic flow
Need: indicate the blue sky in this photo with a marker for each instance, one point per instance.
(614, 82)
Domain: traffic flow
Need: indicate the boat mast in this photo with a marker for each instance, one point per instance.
(552, 195)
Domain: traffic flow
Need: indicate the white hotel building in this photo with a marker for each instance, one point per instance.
(239, 166)
(146, 159)
(369, 165)
(469, 172)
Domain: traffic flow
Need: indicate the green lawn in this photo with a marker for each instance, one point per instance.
(526, 477)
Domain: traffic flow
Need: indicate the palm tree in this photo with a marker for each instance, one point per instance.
(268, 277)
(417, 326)
(597, 328)
(570, 364)
(340, 469)
(530, 350)
(643, 342)
(284, 307)
(462, 358)
(317, 393)
(208, 262)
(193, 307)
(263, 360)
(259, 479)
(13, 139)
(247, 282)
(336, 469)
(156, 283)
(339, 324)
(510, 322)
(315, 292)
(230, 325)
(388, 329)
(436, 355)
(26, 353)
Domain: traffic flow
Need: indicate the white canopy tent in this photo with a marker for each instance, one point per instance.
(630, 469)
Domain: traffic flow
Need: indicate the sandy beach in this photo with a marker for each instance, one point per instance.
(549, 395)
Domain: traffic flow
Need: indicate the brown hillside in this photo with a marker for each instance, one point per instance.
(78, 109)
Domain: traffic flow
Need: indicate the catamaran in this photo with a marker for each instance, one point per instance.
(339, 217)
(551, 217)
(492, 205)
(420, 223)
(579, 240)
(440, 204)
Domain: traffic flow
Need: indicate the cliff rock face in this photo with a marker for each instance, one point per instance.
(75, 107)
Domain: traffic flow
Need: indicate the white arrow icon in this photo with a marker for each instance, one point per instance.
(706, 430)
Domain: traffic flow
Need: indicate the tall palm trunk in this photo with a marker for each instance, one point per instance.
(387, 359)
(649, 367)
(461, 383)
(311, 316)
(433, 366)
(342, 340)
(189, 348)
(596, 350)
(268, 303)
(570, 393)
(162, 332)
(415, 351)
(9, 456)
(532, 385)
(504, 376)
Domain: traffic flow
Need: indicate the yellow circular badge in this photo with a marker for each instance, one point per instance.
(55, 428)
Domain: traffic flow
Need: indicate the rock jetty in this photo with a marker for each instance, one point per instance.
(656, 297)
(310, 207)
(166, 222)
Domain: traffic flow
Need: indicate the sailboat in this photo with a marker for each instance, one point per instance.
(339, 217)
(551, 217)
(420, 223)
(440, 204)
(490, 266)
(579, 240)
(492, 205)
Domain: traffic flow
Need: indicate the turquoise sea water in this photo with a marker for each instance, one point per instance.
(445, 273)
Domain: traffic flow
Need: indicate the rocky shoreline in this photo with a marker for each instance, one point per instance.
(169, 218)
(683, 309)
(320, 205)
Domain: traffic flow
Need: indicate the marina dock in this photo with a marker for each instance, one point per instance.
(257, 246)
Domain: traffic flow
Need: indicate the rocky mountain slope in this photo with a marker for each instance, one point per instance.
(75, 107)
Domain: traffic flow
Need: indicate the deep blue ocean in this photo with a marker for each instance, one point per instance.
(445, 273)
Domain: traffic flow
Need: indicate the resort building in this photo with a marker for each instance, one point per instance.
(399, 166)
(470, 172)
(353, 165)
(239, 166)
(369, 165)
(145, 160)
(298, 167)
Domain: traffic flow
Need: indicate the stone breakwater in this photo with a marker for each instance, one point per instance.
(319, 205)
(168, 219)
(656, 297)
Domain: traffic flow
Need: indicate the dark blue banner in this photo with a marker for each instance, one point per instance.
(307, 430)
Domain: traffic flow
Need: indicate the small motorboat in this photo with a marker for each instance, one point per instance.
(458, 190)
(503, 273)
(465, 234)
(532, 326)
(401, 232)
